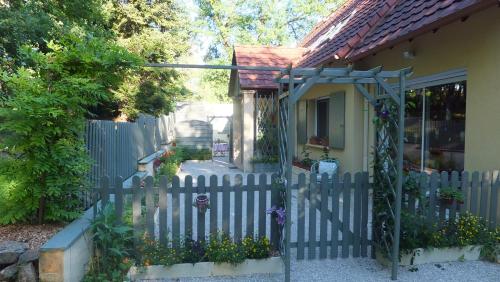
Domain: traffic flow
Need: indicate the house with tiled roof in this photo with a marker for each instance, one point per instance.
(453, 95)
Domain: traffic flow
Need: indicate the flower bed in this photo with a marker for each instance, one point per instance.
(435, 255)
(207, 269)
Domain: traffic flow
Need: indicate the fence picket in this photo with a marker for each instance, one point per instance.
(262, 204)
(495, 186)
(119, 199)
(455, 183)
(358, 185)
(162, 203)
(301, 211)
(275, 202)
(323, 216)
(466, 191)
(136, 206)
(214, 195)
(336, 186)
(238, 203)
(226, 205)
(431, 215)
(150, 208)
(188, 206)
(313, 190)
(442, 206)
(346, 203)
(104, 191)
(176, 211)
(485, 189)
(200, 219)
(364, 215)
(250, 205)
(474, 193)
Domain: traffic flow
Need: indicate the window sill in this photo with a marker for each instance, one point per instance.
(316, 146)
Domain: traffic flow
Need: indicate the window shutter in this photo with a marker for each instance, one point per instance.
(337, 120)
(301, 122)
(311, 118)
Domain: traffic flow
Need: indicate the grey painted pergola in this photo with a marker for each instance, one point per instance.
(386, 97)
(300, 81)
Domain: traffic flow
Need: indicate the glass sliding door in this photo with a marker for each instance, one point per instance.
(435, 128)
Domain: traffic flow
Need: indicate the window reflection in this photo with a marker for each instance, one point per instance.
(435, 128)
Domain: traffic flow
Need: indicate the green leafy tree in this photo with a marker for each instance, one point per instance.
(43, 120)
(158, 31)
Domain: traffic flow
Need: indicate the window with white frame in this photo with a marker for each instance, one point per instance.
(435, 124)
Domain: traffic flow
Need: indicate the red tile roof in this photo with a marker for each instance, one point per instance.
(335, 37)
(410, 18)
(355, 30)
(263, 56)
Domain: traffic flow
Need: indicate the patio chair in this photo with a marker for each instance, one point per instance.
(329, 166)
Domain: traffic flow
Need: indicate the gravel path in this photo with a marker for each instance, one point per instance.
(365, 269)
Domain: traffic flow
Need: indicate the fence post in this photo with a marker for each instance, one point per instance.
(136, 207)
(162, 203)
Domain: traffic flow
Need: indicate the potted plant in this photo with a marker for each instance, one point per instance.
(447, 195)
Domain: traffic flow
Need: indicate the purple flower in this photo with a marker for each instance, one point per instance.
(280, 214)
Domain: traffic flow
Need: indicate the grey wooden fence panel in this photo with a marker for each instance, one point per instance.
(136, 206)
(250, 205)
(150, 207)
(474, 193)
(201, 189)
(238, 206)
(119, 199)
(313, 190)
(346, 197)
(364, 215)
(163, 215)
(176, 211)
(188, 205)
(334, 252)
(358, 185)
(323, 216)
(301, 210)
(213, 205)
(485, 187)
(262, 204)
(226, 204)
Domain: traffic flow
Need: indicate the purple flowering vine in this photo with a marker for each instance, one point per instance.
(280, 214)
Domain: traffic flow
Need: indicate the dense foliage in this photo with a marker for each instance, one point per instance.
(62, 61)
(43, 120)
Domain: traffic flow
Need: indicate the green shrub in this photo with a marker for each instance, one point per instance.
(256, 248)
(221, 249)
(112, 248)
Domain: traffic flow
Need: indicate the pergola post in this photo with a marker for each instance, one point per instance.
(399, 188)
(289, 173)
